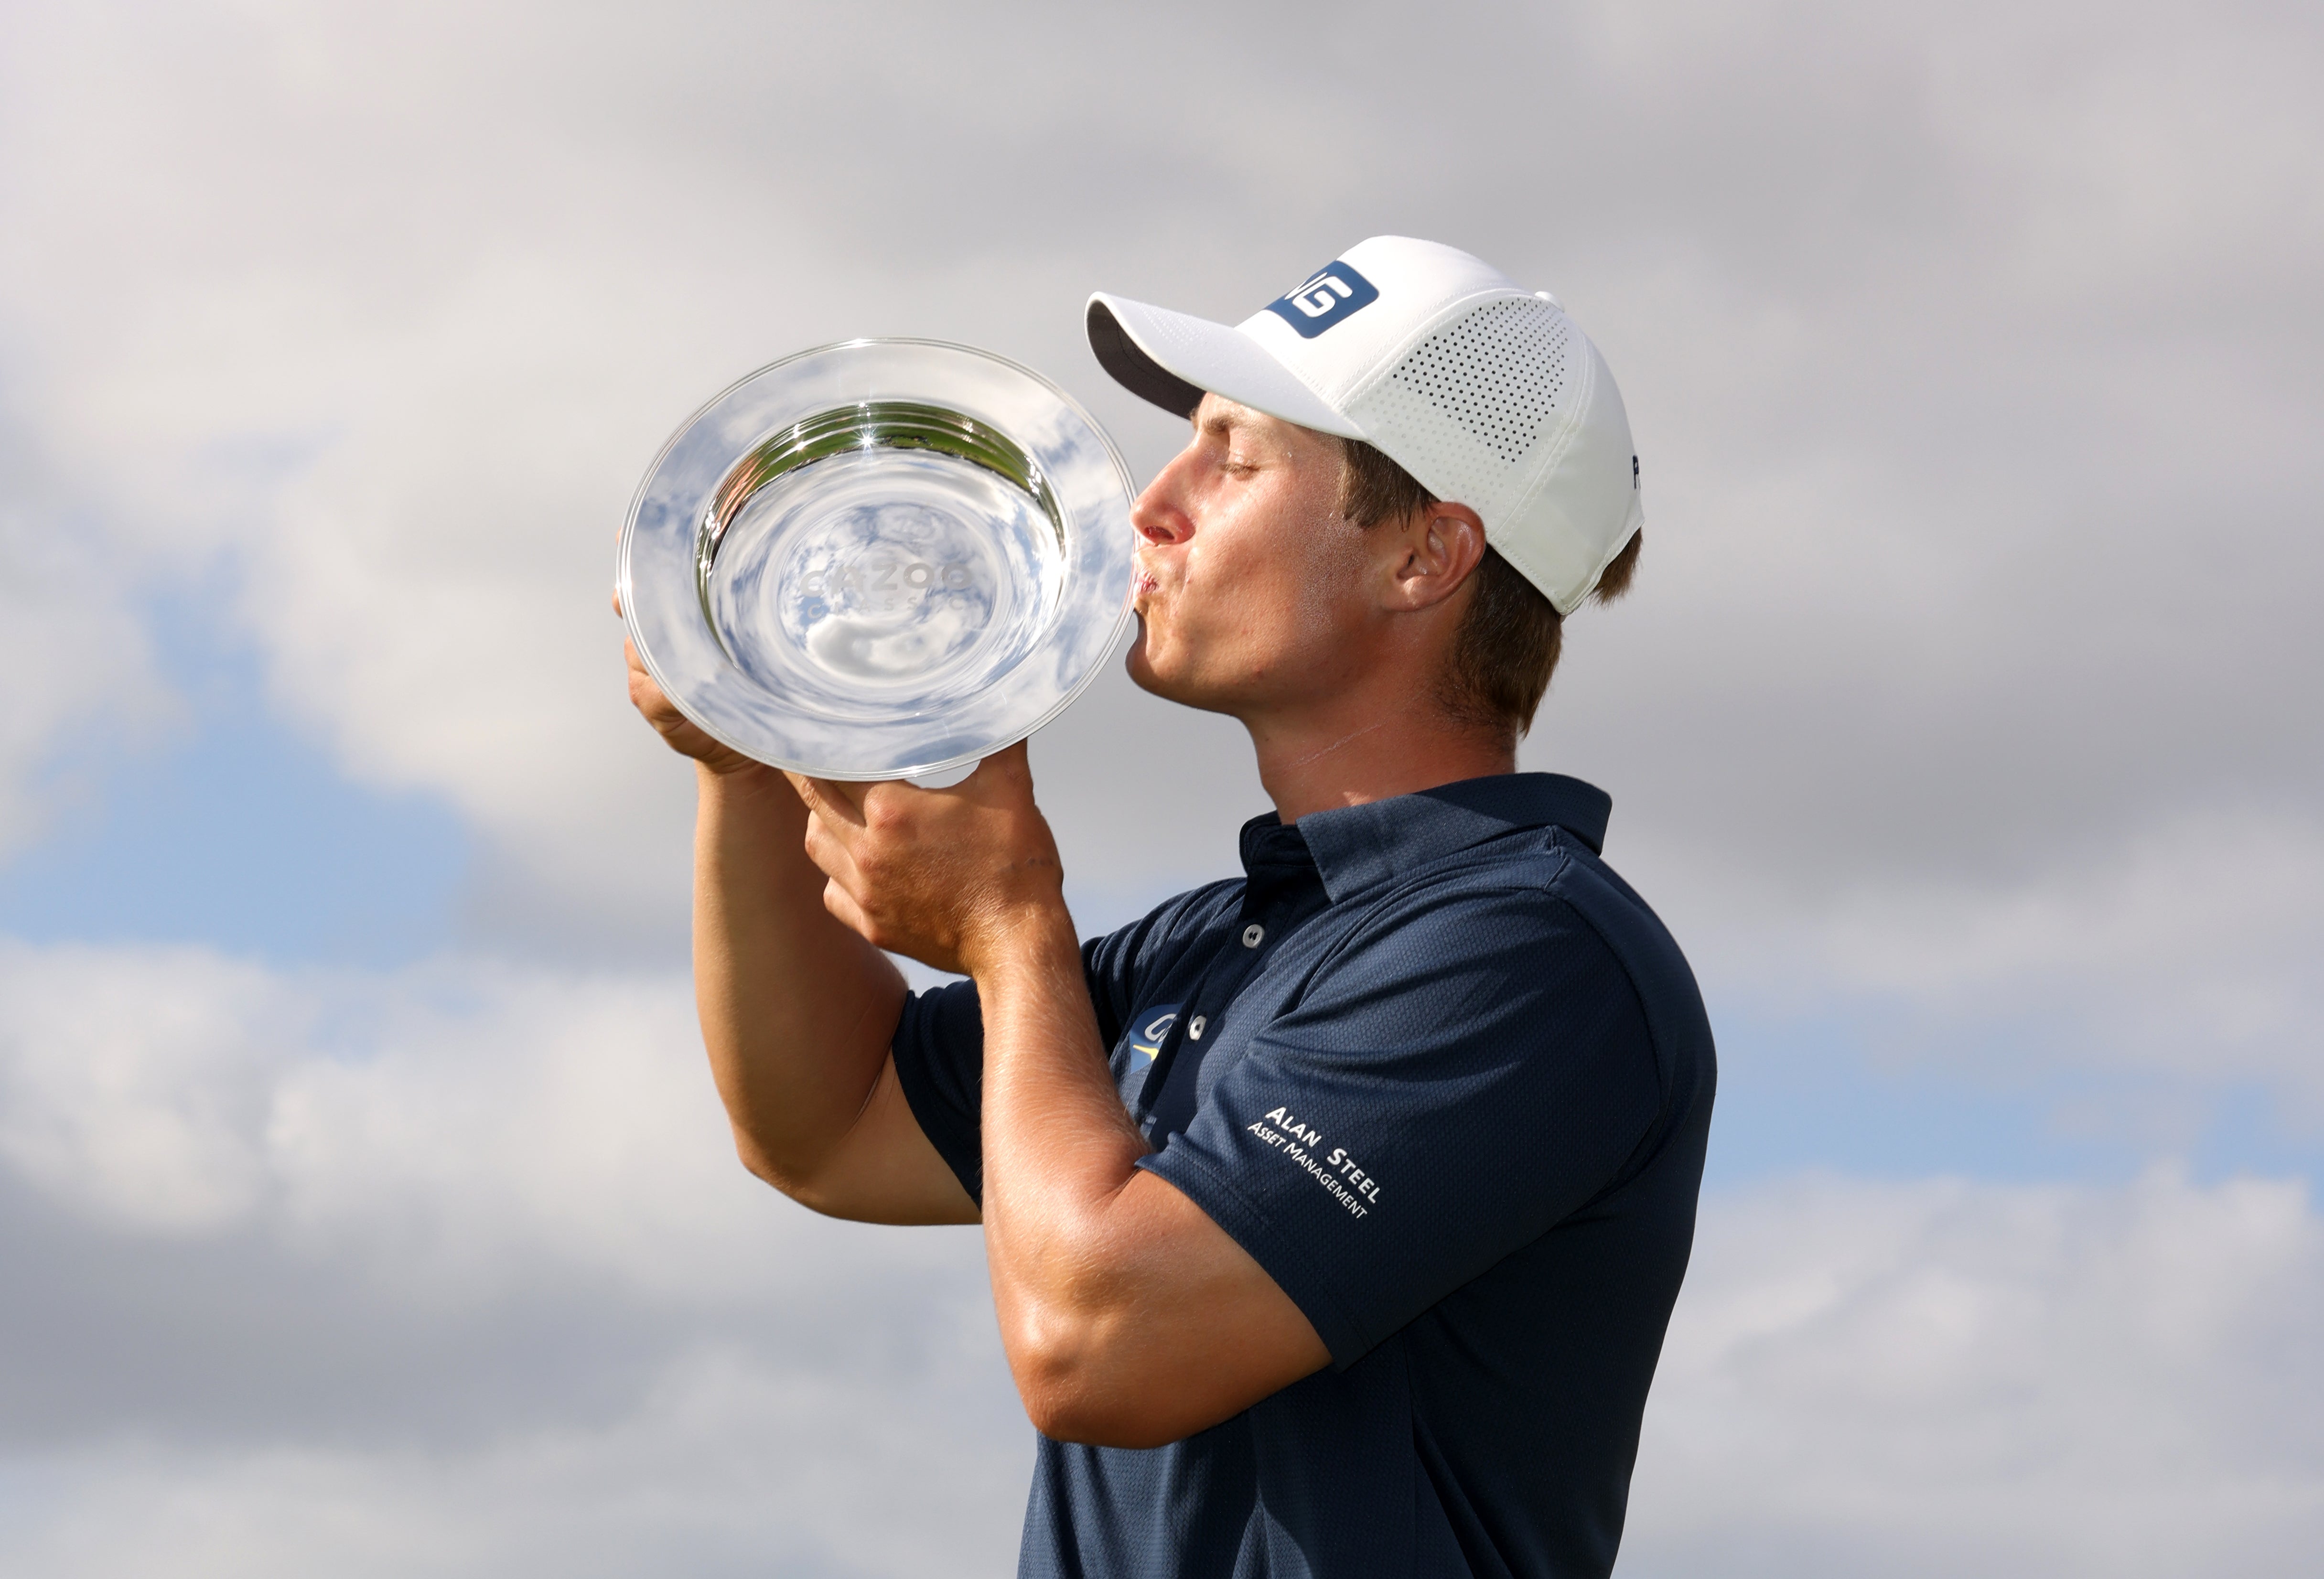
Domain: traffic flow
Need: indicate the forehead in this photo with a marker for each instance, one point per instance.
(1285, 467)
(1229, 420)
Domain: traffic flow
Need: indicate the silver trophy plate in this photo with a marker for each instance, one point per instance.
(882, 559)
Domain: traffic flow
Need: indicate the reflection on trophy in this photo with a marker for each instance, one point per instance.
(880, 559)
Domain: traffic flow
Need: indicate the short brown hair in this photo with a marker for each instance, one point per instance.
(1508, 644)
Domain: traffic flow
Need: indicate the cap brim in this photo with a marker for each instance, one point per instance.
(1173, 359)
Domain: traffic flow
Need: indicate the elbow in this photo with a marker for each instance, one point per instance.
(1109, 1433)
(755, 1160)
(1070, 1413)
(799, 1184)
(1077, 1385)
(760, 1163)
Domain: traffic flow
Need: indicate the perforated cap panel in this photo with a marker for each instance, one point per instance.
(1498, 373)
(1487, 393)
(1504, 405)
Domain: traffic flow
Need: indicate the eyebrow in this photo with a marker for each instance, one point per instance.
(1225, 418)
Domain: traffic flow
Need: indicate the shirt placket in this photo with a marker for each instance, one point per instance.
(1159, 1111)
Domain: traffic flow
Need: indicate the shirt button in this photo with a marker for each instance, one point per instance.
(1195, 1027)
(1253, 936)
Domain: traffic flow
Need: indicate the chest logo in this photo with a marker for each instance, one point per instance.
(1146, 1039)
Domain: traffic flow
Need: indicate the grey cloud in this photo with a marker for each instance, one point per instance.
(1969, 361)
(502, 1301)
(1884, 299)
(471, 1248)
(1972, 361)
(85, 692)
(727, 1467)
(1923, 1379)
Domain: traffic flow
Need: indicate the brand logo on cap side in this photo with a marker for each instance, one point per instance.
(1329, 295)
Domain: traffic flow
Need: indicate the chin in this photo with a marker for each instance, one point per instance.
(1141, 669)
(1184, 689)
(1171, 686)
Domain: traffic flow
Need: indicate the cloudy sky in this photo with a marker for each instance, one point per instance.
(365, 1208)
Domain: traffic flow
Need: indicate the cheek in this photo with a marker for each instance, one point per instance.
(1278, 581)
(1328, 592)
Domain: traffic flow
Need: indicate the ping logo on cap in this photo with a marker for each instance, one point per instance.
(1329, 295)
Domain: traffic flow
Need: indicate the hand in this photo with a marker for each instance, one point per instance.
(946, 876)
(678, 732)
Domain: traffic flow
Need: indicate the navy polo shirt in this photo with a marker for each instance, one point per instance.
(1446, 1077)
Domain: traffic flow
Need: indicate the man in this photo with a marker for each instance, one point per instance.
(1334, 1214)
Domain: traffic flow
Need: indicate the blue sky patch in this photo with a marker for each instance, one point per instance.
(241, 836)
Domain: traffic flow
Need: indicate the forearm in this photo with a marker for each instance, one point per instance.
(796, 1010)
(1128, 1316)
(1059, 1149)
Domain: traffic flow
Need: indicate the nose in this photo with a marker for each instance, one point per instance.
(1159, 515)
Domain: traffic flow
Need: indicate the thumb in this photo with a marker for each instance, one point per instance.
(1009, 768)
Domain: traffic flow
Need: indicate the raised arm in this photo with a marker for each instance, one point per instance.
(1129, 1317)
(797, 1009)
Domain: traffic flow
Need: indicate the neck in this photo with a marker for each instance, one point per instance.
(1348, 755)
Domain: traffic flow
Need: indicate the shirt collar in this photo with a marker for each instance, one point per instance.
(1355, 847)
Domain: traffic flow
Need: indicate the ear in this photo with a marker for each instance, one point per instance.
(1432, 555)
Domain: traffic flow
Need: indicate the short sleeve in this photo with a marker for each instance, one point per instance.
(939, 1053)
(940, 1043)
(1451, 1085)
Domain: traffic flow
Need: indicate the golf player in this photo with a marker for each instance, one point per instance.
(1335, 1211)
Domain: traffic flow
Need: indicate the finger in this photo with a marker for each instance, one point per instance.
(850, 792)
(819, 806)
(645, 693)
(886, 803)
(850, 915)
(1011, 766)
(845, 799)
(828, 849)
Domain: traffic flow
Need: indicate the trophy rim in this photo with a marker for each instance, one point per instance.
(1080, 462)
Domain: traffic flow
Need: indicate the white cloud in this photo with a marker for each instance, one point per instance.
(137, 1091)
(1973, 362)
(2190, 951)
(1966, 358)
(1943, 1378)
(2179, 960)
(450, 1128)
(82, 692)
(729, 1465)
(453, 1268)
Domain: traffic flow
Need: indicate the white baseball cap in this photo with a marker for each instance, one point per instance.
(1485, 392)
